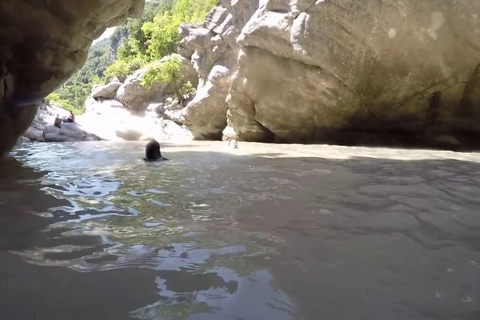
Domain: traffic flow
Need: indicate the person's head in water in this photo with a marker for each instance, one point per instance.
(152, 151)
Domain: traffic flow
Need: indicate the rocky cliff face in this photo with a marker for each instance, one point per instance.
(43, 43)
(342, 71)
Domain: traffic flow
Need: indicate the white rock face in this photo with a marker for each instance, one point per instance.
(107, 91)
(137, 98)
(214, 59)
(170, 109)
(337, 70)
(110, 120)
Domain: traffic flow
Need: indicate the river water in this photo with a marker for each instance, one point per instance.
(90, 231)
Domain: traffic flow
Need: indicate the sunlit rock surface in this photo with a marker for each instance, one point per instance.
(107, 91)
(42, 43)
(137, 97)
(342, 71)
(111, 120)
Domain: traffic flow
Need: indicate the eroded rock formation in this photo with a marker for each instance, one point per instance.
(136, 97)
(42, 43)
(341, 71)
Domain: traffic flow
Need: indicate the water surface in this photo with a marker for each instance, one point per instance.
(90, 231)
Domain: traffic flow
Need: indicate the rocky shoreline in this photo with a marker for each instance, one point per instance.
(118, 111)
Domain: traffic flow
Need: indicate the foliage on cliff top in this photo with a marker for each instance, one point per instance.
(168, 71)
(55, 97)
(74, 92)
(133, 45)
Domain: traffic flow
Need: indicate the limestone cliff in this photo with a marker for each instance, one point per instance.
(43, 43)
(342, 71)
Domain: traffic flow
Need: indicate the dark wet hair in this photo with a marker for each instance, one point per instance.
(152, 150)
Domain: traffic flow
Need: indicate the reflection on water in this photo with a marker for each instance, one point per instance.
(213, 235)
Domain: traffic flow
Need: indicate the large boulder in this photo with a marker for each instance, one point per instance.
(69, 132)
(43, 43)
(137, 97)
(205, 115)
(338, 70)
(171, 130)
(45, 116)
(170, 109)
(107, 91)
(134, 95)
(33, 134)
(214, 60)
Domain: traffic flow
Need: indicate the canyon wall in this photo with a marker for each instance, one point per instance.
(336, 71)
(43, 43)
(342, 71)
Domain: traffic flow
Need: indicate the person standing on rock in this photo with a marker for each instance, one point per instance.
(58, 121)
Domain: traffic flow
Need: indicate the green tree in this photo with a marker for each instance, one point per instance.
(162, 32)
(132, 46)
(168, 71)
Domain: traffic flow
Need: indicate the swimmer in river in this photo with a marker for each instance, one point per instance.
(152, 151)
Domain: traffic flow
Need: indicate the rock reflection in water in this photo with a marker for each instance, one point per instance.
(175, 220)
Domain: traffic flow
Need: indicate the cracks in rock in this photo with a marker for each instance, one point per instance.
(347, 10)
(470, 85)
(310, 6)
(333, 3)
(281, 11)
(235, 17)
(325, 71)
(425, 92)
(270, 136)
(432, 111)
